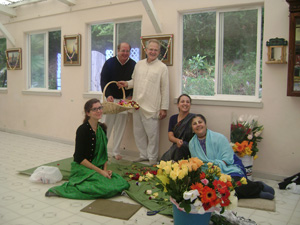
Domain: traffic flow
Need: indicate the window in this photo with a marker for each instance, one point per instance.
(45, 60)
(3, 69)
(222, 54)
(104, 41)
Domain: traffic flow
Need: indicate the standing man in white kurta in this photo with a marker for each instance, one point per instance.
(150, 80)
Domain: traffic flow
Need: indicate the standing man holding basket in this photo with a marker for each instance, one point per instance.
(117, 68)
(150, 81)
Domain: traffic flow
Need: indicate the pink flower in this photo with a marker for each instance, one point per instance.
(204, 181)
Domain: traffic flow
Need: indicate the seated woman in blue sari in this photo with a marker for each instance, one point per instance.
(89, 178)
(210, 146)
(180, 131)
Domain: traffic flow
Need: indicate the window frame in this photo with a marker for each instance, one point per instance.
(223, 99)
(40, 91)
(4, 89)
(89, 93)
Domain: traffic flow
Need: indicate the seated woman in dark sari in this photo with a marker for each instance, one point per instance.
(89, 178)
(210, 146)
(180, 131)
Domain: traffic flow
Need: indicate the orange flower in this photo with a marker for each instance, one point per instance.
(238, 147)
(197, 186)
(181, 162)
(208, 195)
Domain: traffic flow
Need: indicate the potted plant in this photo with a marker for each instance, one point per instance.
(196, 189)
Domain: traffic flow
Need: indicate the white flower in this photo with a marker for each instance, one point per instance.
(149, 192)
(250, 136)
(257, 134)
(233, 201)
(192, 195)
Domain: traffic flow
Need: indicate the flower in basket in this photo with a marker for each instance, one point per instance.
(245, 135)
(129, 104)
(197, 187)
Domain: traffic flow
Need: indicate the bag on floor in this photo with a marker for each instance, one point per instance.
(292, 179)
(294, 188)
(46, 175)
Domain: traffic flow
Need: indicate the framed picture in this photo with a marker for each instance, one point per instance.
(14, 58)
(72, 50)
(166, 49)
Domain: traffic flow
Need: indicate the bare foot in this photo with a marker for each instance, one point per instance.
(118, 157)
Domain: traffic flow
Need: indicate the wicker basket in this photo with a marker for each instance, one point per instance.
(113, 107)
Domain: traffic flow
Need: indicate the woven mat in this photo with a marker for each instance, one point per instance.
(258, 203)
(114, 209)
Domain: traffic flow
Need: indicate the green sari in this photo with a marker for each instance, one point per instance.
(85, 183)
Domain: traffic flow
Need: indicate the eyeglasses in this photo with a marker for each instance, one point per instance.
(96, 109)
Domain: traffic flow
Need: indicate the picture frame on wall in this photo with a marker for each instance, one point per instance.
(72, 50)
(14, 58)
(166, 49)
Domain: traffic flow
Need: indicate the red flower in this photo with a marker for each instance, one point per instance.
(238, 183)
(208, 195)
(219, 185)
(225, 202)
(202, 175)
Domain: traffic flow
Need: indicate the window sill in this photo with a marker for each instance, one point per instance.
(245, 102)
(3, 91)
(93, 94)
(42, 92)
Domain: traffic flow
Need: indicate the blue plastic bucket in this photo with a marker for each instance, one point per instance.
(183, 218)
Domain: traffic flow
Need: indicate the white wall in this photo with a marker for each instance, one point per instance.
(57, 117)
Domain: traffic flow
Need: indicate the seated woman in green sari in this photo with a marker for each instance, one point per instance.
(89, 178)
(180, 131)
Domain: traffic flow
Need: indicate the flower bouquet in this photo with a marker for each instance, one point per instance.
(245, 135)
(195, 187)
(129, 104)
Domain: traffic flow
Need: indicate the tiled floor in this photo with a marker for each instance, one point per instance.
(23, 202)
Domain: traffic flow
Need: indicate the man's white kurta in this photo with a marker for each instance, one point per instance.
(151, 87)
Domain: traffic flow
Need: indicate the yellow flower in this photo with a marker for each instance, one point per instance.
(164, 180)
(181, 174)
(159, 171)
(149, 175)
(209, 164)
(185, 169)
(255, 157)
(167, 169)
(131, 176)
(162, 164)
(175, 165)
(243, 180)
(223, 178)
(248, 151)
(141, 178)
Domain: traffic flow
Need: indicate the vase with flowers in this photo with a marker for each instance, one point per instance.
(196, 189)
(244, 137)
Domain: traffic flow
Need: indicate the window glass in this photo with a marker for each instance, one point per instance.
(54, 66)
(45, 60)
(104, 41)
(238, 70)
(220, 53)
(37, 64)
(3, 69)
(199, 42)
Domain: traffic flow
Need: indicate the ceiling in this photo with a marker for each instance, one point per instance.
(15, 3)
